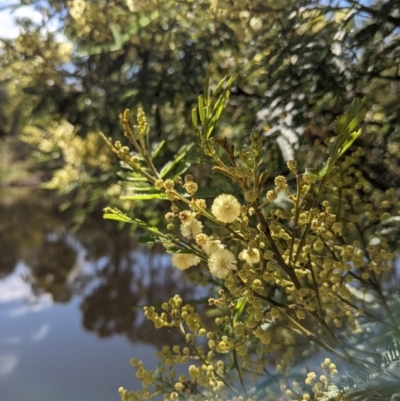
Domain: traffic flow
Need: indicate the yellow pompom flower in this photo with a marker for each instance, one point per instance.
(221, 263)
(191, 229)
(226, 208)
(251, 256)
(183, 261)
(212, 246)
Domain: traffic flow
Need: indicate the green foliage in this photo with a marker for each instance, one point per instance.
(143, 197)
(374, 381)
(299, 274)
(152, 239)
(176, 160)
(115, 214)
(209, 192)
(211, 105)
(345, 129)
(300, 63)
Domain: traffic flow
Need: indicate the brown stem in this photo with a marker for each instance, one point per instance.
(313, 338)
(235, 359)
(316, 289)
(266, 230)
(328, 331)
(296, 220)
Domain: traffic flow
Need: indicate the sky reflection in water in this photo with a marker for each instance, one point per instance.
(67, 323)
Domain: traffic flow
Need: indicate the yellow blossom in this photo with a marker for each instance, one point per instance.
(271, 196)
(226, 208)
(183, 261)
(186, 216)
(212, 246)
(191, 229)
(251, 256)
(221, 263)
(191, 187)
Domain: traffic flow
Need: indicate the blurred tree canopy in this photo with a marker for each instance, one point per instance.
(299, 64)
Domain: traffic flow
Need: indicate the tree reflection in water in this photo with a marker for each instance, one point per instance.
(99, 263)
(50, 267)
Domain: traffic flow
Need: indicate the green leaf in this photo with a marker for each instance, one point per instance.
(116, 217)
(220, 104)
(239, 308)
(154, 239)
(211, 224)
(348, 122)
(181, 170)
(345, 128)
(317, 172)
(115, 214)
(353, 124)
(145, 20)
(178, 157)
(127, 93)
(231, 81)
(132, 177)
(332, 147)
(144, 196)
(339, 124)
(201, 109)
(174, 249)
(194, 117)
(219, 86)
(142, 224)
(157, 148)
(210, 192)
(313, 172)
(178, 249)
(207, 84)
(142, 188)
(139, 186)
(116, 32)
(349, 141)
(125, 165)
(216, 113)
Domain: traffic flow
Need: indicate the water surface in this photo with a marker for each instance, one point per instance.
(69, 315)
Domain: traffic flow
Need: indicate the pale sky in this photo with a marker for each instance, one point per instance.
(8, 29)
(7, 26)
